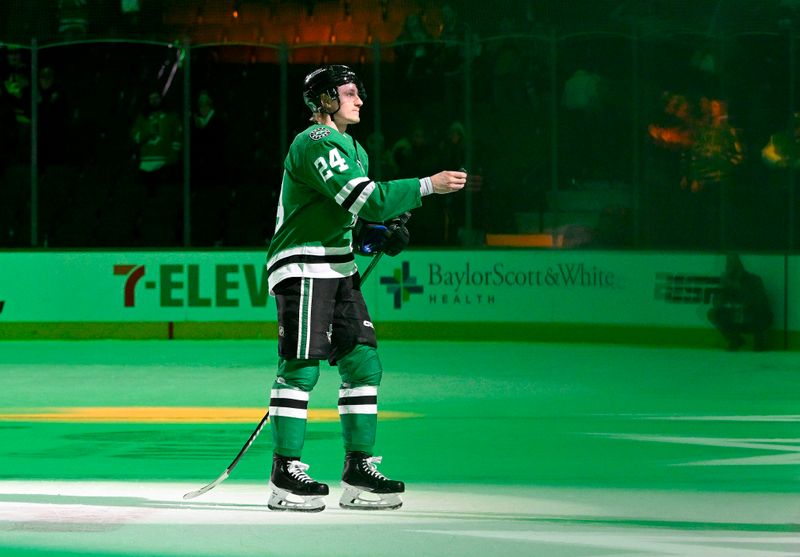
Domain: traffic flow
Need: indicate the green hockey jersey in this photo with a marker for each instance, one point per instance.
(324, 189)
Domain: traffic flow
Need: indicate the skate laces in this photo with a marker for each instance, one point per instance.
(297, 470)
(369, 467)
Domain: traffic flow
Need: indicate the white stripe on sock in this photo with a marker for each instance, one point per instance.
(368, 390)
(288, 412)
(294, 394)
(359, 409)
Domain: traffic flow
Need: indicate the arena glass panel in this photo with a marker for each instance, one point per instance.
(423, 132)
(235, 144)
(593, 202)
(511, 95)
(15, 142)
(757, 80)
(681, 194)
(112, 173)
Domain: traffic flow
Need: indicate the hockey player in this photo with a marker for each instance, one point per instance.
(321, 311)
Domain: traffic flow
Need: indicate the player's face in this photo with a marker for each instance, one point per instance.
(349, 104)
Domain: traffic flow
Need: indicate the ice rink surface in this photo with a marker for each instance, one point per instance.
(507, 449)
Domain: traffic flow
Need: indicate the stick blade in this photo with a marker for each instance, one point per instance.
(206, 488)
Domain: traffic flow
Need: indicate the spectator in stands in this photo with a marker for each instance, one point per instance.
(741, 306)
(16, 82)
(582, 91)
(588, 128)
(158, 133)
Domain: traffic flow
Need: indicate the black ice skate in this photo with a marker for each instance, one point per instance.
(293, 489)
(365, 487)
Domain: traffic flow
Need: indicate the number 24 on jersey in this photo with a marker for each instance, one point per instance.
(334, 161)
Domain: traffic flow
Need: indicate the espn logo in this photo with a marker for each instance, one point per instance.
(685, 289)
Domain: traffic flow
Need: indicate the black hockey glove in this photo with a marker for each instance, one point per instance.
(370, 238)
(398, 237)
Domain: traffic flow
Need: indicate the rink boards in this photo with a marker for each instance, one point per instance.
(492, 294)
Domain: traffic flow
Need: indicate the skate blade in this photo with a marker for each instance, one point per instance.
(282, 500)
(354, 498)
(297, 509)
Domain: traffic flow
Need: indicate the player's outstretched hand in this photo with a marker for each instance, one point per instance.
(448, 181)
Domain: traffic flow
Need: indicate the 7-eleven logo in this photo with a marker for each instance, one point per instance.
(401, 284)
(133, 273)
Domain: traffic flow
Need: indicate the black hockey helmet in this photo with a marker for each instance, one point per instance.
(326, 80)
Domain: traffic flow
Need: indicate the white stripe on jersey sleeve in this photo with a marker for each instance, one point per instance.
(356, 206)
(348, 189)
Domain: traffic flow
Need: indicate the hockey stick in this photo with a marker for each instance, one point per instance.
(372, 264)
(229, 469)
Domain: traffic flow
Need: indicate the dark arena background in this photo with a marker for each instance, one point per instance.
(590, 351)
